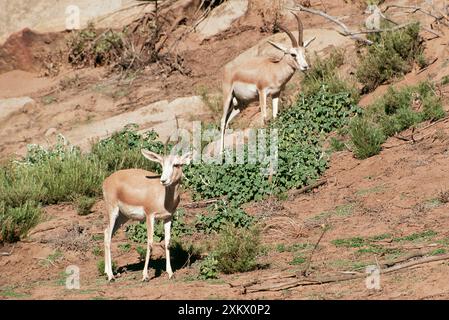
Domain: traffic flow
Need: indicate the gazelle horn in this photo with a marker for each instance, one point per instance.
(300, 30)
(290, 35)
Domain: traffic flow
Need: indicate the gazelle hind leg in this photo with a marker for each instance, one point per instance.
(113, 213)
(225, 118)
(150, 231)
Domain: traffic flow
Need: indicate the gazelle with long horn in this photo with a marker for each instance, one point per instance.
(143, 195)
(259, 77)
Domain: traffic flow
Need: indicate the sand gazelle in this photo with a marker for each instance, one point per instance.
(143, 195)
(259, 77)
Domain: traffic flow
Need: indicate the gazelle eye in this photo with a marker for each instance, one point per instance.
(293, 55)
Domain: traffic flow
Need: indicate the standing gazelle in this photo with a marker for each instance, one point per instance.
(140, 195)
(259, 77)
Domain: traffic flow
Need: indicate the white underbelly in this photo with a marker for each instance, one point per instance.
(245, 91)
(132, 212)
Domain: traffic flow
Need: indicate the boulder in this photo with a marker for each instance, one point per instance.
(159, 116)
(221, 18)
(11, 106)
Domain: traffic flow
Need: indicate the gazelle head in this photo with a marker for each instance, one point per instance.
(171, 165)
(297, 52)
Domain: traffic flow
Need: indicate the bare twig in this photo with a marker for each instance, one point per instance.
(414, 10)
(345, 30)
(201, 204)
(426, 67)
(305, 273)
(307, 188)
(332, 279)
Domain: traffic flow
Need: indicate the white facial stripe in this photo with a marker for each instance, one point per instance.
(167, 170)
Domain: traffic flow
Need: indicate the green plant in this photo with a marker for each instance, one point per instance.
(324, 72)
(208, 268)
(124, 247)
(237, 249)
(336, 144)
(366, 138)
(445, 80)
(84, 204)
(221, 214)
(100, 267)
(395, 111)
(298, 259)
(142, 252)
(300, 130)
(16, 221)
(391, 55)
(137, 232)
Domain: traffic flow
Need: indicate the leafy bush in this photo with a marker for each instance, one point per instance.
(84, 205)
(16, 221)
(137, 232)
(392, 55)
(237, 249)
(63, 173)
(396, 111)
(366, 138)
(221, 215)
(100, 267)
(300, 157)
(208, 268)
(122, 150)
(324, 72)
(88, 48)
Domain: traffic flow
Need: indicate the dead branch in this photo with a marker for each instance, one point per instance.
(307, 188)
(201, 204)
(305, 273)
(414, 10)
(333, 279)
(345, 30)
(427, 67)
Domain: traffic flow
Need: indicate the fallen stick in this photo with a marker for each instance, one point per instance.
(345, 30)
(305, 273)
(201, 204)
(307, 188)
(427, 67)
(307, 282)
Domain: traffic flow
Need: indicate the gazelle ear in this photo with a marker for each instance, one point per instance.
(278, 46)
(308, 42)
(185, 159)
(152, 156)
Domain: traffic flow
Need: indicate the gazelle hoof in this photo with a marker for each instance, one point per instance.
(111, 279)
(145, 279)
(170, 275)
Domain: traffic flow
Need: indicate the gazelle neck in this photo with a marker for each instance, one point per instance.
(172, 196)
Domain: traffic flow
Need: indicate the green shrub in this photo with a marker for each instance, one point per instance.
(392, 55)
(88, 48)
(237, 249)
(100, 267)
(208, 268)
(16, 221)
(137, 232)
(84, 205)
(221, 215)
(122, 150)
(397, 110)
(336, 144)
(324, 72)
(366, 138)
(300, 130)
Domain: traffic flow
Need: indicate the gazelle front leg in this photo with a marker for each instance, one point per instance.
(150, 231)
(167, 230)
(113, 213)
(263, 105)
(275, 106)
